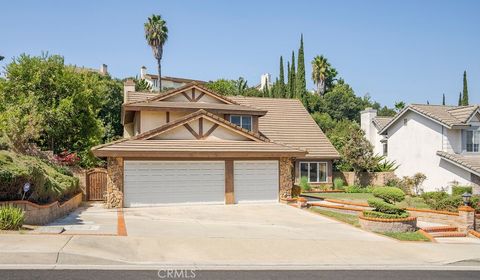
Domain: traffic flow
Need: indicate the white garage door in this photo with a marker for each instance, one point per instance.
(151, 183)
(255, 181)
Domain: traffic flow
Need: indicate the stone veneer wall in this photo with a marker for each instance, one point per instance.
(36, 214)
(286, 177)
(114, 194)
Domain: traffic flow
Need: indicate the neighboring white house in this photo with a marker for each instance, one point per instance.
(442, 142)
(167, 82)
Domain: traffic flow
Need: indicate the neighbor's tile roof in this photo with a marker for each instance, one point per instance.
(174, 79)
(288, 122)
(468, 162)
(381, 122)
(448, 116)
(191, 148)
(139, 96)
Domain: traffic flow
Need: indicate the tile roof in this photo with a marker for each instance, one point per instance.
(174, 79)
(135, 96)
(448, 116)
(468, 162)
(288, 122)
(191, 148)
(381, 122)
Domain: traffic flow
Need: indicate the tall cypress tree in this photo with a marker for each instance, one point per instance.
(460, 99)
(443, 100)
(281, 80)
(287, 86)
(465, 89)
(300, 84)
(293, 79)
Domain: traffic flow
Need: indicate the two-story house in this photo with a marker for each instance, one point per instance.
(167, 82)
(192, 145)
(441, 142)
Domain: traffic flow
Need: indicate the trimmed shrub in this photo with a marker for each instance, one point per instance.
(380, 205)
(338, 183)
(459, 190)
(450, 203)
(304, 184)
(389, 194)
(375, 214)
(432, 197)
(358, 189)
(11, 218)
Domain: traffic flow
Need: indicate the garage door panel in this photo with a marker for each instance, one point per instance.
(150, 183)
(256, 181)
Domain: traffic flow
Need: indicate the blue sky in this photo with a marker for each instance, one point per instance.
(403, 50)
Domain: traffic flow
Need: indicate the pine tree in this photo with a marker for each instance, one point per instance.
(465, 89)
(300, 82)
(287, 86)
(281, 81)
(293, 79)
(460, 99)
(443, 100)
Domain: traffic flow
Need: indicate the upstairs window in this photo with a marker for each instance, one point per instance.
(472, 140)
(242, 121)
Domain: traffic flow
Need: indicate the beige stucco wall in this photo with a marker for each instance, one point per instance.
(414, 145)
(152, 119)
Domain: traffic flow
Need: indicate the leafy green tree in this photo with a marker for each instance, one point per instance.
(71, 107)
(293, 77)
(223, 86)
(300, 84)
(385, 111)
(281, 80)
(443, 100)
(142, 85)
(323, 73)
(399, 106)
(156, 33)
(287, 86)
(358, 153)
(465, 90)
(241, 85)
(342, 103)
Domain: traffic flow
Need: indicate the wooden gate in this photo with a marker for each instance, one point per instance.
(96, 181)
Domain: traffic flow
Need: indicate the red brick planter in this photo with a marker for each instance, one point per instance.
(388, 225)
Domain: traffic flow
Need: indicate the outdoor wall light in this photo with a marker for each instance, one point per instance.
(466, 198)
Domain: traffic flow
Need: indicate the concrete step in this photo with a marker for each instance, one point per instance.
(448, 234)
(440, 229)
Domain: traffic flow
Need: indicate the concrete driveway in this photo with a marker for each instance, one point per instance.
(243, 221)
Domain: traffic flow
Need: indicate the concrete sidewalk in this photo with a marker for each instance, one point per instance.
(112, 250)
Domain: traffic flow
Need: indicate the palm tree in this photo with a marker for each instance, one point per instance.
(322, 73)
(241, 84)
(156, 33)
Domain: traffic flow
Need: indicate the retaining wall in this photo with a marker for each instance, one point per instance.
(36, 214)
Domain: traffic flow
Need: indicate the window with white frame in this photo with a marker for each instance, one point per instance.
(472, 141)
(316, 172)
(242, 121)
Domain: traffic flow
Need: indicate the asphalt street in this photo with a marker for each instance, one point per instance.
(234, 275)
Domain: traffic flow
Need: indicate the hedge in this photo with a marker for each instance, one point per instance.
(459, 190)
(384, 207)
(389, 194)
(375, 214)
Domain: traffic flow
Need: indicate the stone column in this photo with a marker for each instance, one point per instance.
(466, 216)
(286, 177)
(114, 194)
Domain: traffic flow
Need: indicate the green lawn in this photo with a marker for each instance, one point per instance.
(412, 202)
(353, 220)
(406, 236)
(346, 218)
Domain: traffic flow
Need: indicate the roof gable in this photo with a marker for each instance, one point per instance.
(194, 124)
(192, 92)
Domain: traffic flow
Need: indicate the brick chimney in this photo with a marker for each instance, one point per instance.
(128, 86)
